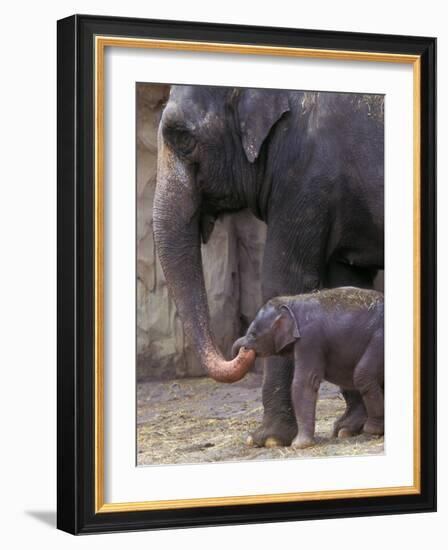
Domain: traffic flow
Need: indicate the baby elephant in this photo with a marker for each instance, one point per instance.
(335, 335)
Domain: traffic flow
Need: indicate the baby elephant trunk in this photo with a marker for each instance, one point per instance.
(238, 344)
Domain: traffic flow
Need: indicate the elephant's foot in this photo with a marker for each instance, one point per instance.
(351, 424)
(302, 442)
(276, 435)
(374, 427)
(344, 433)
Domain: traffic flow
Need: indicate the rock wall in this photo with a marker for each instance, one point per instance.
(232, 260)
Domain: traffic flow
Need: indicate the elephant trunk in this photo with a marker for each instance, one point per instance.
(177, 238)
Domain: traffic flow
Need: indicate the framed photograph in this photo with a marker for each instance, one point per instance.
(246, 274)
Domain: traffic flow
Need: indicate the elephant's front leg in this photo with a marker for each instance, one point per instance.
(279, 423)
(283, 276)
(304, 395)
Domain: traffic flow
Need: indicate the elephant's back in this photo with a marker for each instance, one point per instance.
(350, 298)
(344, 306)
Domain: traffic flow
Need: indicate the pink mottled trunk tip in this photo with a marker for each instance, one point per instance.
(229, 371)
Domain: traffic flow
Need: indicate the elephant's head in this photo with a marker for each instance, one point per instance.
(272, 332)
(208, 145)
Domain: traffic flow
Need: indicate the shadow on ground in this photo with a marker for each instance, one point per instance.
(198, 420)
(48, 517)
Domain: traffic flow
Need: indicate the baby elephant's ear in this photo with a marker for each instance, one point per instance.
(286, 330)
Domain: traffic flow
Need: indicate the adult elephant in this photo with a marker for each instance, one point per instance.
(311, 166)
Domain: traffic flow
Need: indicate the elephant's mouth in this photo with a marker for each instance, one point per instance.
(241, 346)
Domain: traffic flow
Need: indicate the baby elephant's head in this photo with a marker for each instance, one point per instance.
(272, 332)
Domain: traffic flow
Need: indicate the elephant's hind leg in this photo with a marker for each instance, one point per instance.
(368, 379)
(355, 415)
(352, 421)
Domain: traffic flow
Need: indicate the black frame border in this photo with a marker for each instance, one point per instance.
(75, 273)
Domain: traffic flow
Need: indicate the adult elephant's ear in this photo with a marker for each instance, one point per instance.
(258, 111)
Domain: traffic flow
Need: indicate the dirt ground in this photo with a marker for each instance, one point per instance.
(198, 420)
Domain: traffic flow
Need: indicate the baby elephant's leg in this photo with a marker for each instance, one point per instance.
(308, 374)
(354, 417)
(369, 380)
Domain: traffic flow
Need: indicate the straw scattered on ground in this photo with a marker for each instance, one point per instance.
(198, 420)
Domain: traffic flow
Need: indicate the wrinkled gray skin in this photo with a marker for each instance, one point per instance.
(335, 335)
(311, 166)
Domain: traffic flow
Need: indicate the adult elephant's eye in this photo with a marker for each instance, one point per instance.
(184, 142)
